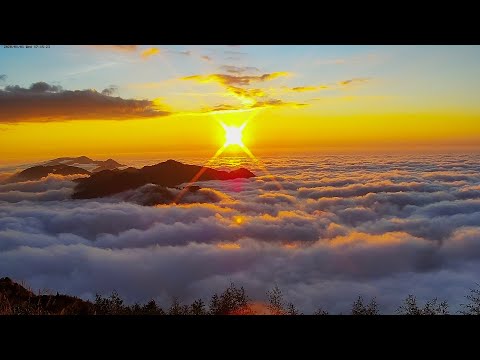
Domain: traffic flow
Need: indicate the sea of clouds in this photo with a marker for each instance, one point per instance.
(325, 229)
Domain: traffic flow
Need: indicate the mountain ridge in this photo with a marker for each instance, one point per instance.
(108, 164)
(40, 171)
(170, 173)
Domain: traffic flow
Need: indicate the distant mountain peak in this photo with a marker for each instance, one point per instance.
(170, 173)
(40, 171)
(84, 158)
(86, 163)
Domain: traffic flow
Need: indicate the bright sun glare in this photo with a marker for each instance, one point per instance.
(233, 135)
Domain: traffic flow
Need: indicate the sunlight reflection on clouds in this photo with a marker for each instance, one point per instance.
(342, 226)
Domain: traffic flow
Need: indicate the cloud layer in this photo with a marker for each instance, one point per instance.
(341, 226)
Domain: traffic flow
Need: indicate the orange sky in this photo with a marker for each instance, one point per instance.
(294, 99)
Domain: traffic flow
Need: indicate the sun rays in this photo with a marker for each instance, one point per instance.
(233, 141)
(233, 134)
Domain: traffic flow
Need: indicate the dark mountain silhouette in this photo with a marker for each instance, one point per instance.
(37, 172)
(70, 160)
(15, 299)
(170, 173)
(109, 164)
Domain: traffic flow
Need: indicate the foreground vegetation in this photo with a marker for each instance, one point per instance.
(16, 299)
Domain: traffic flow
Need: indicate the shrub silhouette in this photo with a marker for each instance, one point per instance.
(277, 305)
(198, 308)
(432, 307)
(292, 310)
(232, 301)
(359, 308)
(15, 299)
(112, 305)
(177, 308)
(473, 307)
(151, 308)
(275, 301)
(320, 311)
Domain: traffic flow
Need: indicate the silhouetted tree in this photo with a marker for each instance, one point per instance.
(359, 308)
(473, 307)
(275, 301)
(178, 309)
(16, 300)
(215, 306)
(232, 301)
(292, 310)
(320, 311)
(151, 308)
(112, 305)
(432, 307)
(136, 309)
(409, 307)
(198, 308)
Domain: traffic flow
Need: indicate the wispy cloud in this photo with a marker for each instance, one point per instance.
(122, 48)
(338, 85)
(3, 77)
(183, 52)
(353, 81)
(330, 61)
(268, 103)
(309, 88)
(220, 108)
(350, 98)
(92, 68)
(232, 80)
(236, 53)
(355, 59)
(246, 93)
(238, 69)
(276, 103)
(190, 53)
(149, 52)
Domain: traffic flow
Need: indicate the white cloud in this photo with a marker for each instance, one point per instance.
(341, 227)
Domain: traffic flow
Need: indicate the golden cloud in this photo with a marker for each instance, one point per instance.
(251, 106)
(149, 52)
(309, 88)
(234, 80)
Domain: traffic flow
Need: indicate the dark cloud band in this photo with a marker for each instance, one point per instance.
(42, 102)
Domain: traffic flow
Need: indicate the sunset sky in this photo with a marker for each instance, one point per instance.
(360, 172)
(121, 100)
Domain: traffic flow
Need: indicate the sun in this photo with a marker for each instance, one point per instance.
(233, 135)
